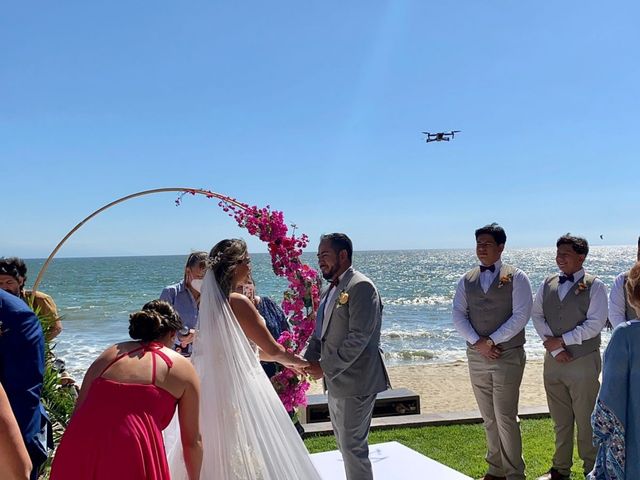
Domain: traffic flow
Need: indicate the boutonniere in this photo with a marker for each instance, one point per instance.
(343, 298)
(581, 288)
(505, 279)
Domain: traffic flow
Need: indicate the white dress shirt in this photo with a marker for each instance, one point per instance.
(596, 314)
(617, 304)
(332, 294)
(521, 299)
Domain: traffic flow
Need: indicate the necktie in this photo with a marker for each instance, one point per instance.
(492, 268)
(320, 312)
(564, 278)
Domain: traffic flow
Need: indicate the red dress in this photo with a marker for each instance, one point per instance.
(117, 433)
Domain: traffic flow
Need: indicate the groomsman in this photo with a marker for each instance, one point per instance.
(620, 310)
(491, 307)
(569, 312)
(345, 349)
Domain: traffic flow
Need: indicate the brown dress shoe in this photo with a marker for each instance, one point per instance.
(488, 476)
(553, 474)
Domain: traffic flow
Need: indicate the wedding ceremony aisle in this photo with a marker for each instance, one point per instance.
(389, 460)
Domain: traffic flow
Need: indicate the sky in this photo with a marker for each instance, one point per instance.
(317, 109)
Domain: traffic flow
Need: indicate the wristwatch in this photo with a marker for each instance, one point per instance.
(490, 342)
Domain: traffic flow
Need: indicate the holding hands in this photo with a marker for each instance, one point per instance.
(487, 348)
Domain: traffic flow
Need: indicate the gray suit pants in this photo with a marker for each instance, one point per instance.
(351, 419)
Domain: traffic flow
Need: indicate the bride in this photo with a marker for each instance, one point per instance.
(246, 432)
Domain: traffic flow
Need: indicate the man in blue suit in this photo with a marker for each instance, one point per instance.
(21, 373)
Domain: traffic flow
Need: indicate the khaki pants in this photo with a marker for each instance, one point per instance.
(572, 389)
(496, 386)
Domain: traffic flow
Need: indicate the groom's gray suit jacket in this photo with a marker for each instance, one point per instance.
(349, 347)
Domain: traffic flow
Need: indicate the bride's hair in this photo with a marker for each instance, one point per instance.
(224, 257)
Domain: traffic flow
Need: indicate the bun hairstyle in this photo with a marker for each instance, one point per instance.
(224, 257)
(633, 287)
(154, 321)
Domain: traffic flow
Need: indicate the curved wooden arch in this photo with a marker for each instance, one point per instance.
(194, 191)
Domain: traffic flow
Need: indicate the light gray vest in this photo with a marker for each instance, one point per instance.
(629, 311)
(488, 311)
(563, 316)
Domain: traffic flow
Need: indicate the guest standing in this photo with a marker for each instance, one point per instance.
(128, 396)
(491, 307)
(345, 349)
(13, 276)
(184, 296)
(569, 312)
(620, 309)
(616, 419)
(21, 374)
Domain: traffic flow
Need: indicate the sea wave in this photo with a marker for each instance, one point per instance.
(426, 300)
(408, 334)
(411, 354)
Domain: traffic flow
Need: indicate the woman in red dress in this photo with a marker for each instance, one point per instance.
(128, 396)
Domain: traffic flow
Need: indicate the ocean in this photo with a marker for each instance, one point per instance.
(96, 295)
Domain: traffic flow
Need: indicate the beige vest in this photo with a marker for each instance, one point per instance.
(563, 316)
(629, 311)
(488, 311)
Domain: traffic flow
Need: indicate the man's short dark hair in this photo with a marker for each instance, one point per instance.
(339, 241)
(495, 230)
(13, 266)
(579, 244)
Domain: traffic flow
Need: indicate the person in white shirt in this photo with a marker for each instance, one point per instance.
(620, 310)
(569, 312)
(491, 307)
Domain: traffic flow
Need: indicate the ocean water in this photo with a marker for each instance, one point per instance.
(96, 295)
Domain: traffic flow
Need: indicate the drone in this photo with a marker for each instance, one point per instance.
(440, 136)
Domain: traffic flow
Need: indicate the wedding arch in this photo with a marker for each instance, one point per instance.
(301, 297)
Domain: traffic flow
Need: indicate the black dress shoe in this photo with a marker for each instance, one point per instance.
(553, 474)
(488, 476)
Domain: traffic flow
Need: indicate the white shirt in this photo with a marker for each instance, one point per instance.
(596, 314)
(617, 304)
(521, 299)
(332, 294)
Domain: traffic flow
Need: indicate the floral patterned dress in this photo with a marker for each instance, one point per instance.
(616, 418)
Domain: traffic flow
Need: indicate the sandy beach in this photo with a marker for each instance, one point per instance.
(446, 387)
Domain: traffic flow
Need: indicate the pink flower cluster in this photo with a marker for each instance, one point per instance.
(300, 298)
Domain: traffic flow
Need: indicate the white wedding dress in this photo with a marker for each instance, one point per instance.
(246, 432)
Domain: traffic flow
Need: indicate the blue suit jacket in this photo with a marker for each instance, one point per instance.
(22, 370)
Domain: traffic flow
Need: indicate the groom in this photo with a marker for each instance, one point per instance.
(345, 349)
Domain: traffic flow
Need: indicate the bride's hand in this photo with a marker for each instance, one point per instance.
(295, 362)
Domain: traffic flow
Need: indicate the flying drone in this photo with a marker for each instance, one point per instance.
(440, 136)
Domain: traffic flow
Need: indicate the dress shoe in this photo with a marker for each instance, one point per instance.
(488, 476)
(553, 474)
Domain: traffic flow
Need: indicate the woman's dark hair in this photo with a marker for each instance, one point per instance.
(195, 259)
(154, 321)
(633, 287)
(339, 242)
(224, 257)
(578, 244)
(495, 230)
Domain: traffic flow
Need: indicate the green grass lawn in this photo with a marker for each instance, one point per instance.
(462, 447)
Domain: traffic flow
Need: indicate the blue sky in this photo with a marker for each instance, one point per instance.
(317, 109)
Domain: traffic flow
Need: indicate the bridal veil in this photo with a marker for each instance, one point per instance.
(246, 432)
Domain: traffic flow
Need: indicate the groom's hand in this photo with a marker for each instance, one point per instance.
(314, 370)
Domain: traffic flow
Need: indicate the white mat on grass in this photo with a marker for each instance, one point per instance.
(390, 461)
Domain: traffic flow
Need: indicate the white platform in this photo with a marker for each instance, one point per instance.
(390, 461)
